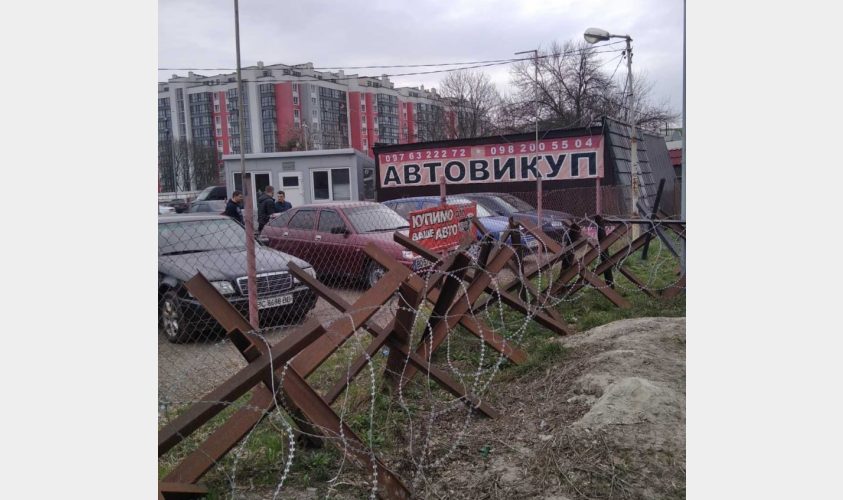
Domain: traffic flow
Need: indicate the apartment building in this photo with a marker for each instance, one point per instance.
(298, 105)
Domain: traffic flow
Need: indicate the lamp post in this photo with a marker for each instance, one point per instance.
(594, 35)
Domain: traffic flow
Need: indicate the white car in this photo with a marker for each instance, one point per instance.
(165, 210)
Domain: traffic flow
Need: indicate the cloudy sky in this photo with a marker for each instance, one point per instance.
(200, 34)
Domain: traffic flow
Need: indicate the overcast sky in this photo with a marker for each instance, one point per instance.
(200, 34)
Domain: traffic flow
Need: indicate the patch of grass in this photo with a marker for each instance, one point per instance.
(542, 355)
(261, 459)
(589, 308)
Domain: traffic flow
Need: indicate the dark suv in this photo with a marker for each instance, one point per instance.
(216, 246)
(210, 193)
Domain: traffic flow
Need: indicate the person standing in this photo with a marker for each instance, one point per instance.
(281, 205)
(232, 207)
(266, 206)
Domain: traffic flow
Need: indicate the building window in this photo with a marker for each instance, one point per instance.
(315, 113)
(331, 185)
(368, 184)
(216, 108)
(295, 99)
(217, 120)
(364, 119)
(219, 145)
(219, 132)
(296, 114)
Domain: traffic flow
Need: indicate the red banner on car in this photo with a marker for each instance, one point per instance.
(441, 228)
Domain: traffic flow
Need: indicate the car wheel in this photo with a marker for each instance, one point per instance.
(374, 272)
(173, 323)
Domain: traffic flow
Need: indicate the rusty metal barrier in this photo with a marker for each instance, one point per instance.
(308, 347)
(458, 288)
(310, 344)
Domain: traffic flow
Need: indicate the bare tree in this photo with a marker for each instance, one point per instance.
(431, 122)
(574, 89)
(205, 163)
(474, 99)
(648, 115)
(187, 166)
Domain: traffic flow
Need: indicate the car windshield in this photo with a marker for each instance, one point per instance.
(205, 193)
(481, 210)
(199, 236)
(496, 205)
(375, 218)
(519, 204)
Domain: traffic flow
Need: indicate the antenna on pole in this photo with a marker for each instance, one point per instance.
(535, 53)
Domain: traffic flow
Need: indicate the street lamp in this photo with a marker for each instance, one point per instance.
(594, 35)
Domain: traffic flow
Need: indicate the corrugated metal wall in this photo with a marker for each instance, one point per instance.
(653, 161)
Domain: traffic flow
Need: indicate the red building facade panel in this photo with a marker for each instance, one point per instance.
(354, 117)
(284, 112)
(226, 145)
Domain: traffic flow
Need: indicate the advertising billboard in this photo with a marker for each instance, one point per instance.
(441, 228)
(558, 159)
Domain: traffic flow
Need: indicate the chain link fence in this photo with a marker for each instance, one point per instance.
(328, 241)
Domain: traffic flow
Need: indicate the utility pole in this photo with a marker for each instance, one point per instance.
(536, 112)
(594, 35)
(247, 191)
(684, 135)
(636, 230)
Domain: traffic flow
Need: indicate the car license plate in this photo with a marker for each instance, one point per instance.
(421, 263)
(281, 300)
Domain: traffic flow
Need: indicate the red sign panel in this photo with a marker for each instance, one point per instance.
(562, 158)
(441, 228)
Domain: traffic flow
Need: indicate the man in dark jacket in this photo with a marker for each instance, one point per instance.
(266, 206)
(281, 205)
(232, 207)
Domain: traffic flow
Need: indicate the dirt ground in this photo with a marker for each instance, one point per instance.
(606, 421)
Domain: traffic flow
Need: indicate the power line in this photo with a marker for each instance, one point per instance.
(381, 66)
(623, 55)
(334, 79)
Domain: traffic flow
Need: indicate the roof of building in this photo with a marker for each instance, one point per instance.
(296, 154)
(652, 160)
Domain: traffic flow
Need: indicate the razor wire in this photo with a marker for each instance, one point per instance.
(194, 357)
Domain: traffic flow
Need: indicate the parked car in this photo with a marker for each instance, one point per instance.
(181, 206)
(332, 237)
(554, 223)
(212, 193)
(208, 206)
(494, 223)
(164, 210)
(215, 245)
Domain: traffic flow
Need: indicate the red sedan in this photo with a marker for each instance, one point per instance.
(332, 236)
